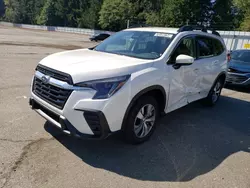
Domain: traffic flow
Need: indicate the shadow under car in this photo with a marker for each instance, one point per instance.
(187, 143)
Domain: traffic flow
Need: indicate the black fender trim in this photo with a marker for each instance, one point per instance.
(218, 77)
(137, 96)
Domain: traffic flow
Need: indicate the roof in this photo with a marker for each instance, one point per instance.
(155, 29)
(173, 31)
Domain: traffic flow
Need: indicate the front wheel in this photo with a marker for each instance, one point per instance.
(214, 94)
(141, 121)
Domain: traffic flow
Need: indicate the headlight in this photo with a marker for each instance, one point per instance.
(105, 88)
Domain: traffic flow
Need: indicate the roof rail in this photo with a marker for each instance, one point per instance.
(201, 28)
(215, 32)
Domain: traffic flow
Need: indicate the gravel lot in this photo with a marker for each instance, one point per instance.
(194, 147)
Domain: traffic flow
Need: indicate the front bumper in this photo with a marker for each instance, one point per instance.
(96, 120)
(240, 79)
(79, 113)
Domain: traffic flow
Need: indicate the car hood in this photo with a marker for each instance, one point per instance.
(240, 66)
(84, 64)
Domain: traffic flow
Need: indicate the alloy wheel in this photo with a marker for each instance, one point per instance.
(144, 121)
(216, 92)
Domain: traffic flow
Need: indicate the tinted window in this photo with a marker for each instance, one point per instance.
(104, 35)
(204, 47)
(186, 47)
(218, 47)
(243, 55)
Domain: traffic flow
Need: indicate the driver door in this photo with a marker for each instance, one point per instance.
(185, 80)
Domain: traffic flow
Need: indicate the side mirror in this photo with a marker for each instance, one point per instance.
(184, 60)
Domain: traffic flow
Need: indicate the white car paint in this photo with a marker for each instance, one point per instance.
(182, 86)
(85, 65)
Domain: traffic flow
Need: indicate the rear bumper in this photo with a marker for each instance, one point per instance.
(95, 119)
(238, 79)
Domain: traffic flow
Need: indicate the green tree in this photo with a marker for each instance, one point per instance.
(245, 24)
(172, 13)
(175, 13)
(115, 13)
(75, 10)
(71, 11)
(146, 11)
(12, 14)
(62, 12)
(89, 17)
(244, 5)
(29, 10)
(244, 8)
(48, 14)
(34, 9)
(22, 11)
(199, 11)
(223, 15)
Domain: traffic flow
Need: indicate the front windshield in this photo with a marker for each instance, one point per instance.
(138, 44)
(241, 56)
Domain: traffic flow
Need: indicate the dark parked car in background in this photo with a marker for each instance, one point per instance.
(239, 68)
(99, 37)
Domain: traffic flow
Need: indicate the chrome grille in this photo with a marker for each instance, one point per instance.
(233, 78)
(54, 95)
(55, 74)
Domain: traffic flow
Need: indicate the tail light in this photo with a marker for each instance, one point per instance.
(228, 57)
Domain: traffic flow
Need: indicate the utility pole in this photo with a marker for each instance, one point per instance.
(127, 24)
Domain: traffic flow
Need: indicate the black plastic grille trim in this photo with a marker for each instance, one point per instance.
(237, 71)
(53, 95)
(50, 114)
(236, 78)
(94, 122)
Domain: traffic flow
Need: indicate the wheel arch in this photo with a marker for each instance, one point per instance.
(223, 76)
(151, 91)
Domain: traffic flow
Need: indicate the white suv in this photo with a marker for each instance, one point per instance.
(126, 82)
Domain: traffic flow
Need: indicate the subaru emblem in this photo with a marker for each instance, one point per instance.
(45, 79)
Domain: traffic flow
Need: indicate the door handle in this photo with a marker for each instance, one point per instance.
(196, 70)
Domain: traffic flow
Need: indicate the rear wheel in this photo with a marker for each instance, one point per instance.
(214, 94)
(142, 120)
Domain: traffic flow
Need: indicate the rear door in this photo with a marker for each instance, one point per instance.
(210, 58)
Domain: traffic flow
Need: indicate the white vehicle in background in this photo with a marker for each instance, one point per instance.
(127, 81)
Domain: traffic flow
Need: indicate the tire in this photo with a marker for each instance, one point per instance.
(135, 125)
(214, 94)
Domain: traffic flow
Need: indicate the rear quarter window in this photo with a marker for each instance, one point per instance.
(218, 47)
